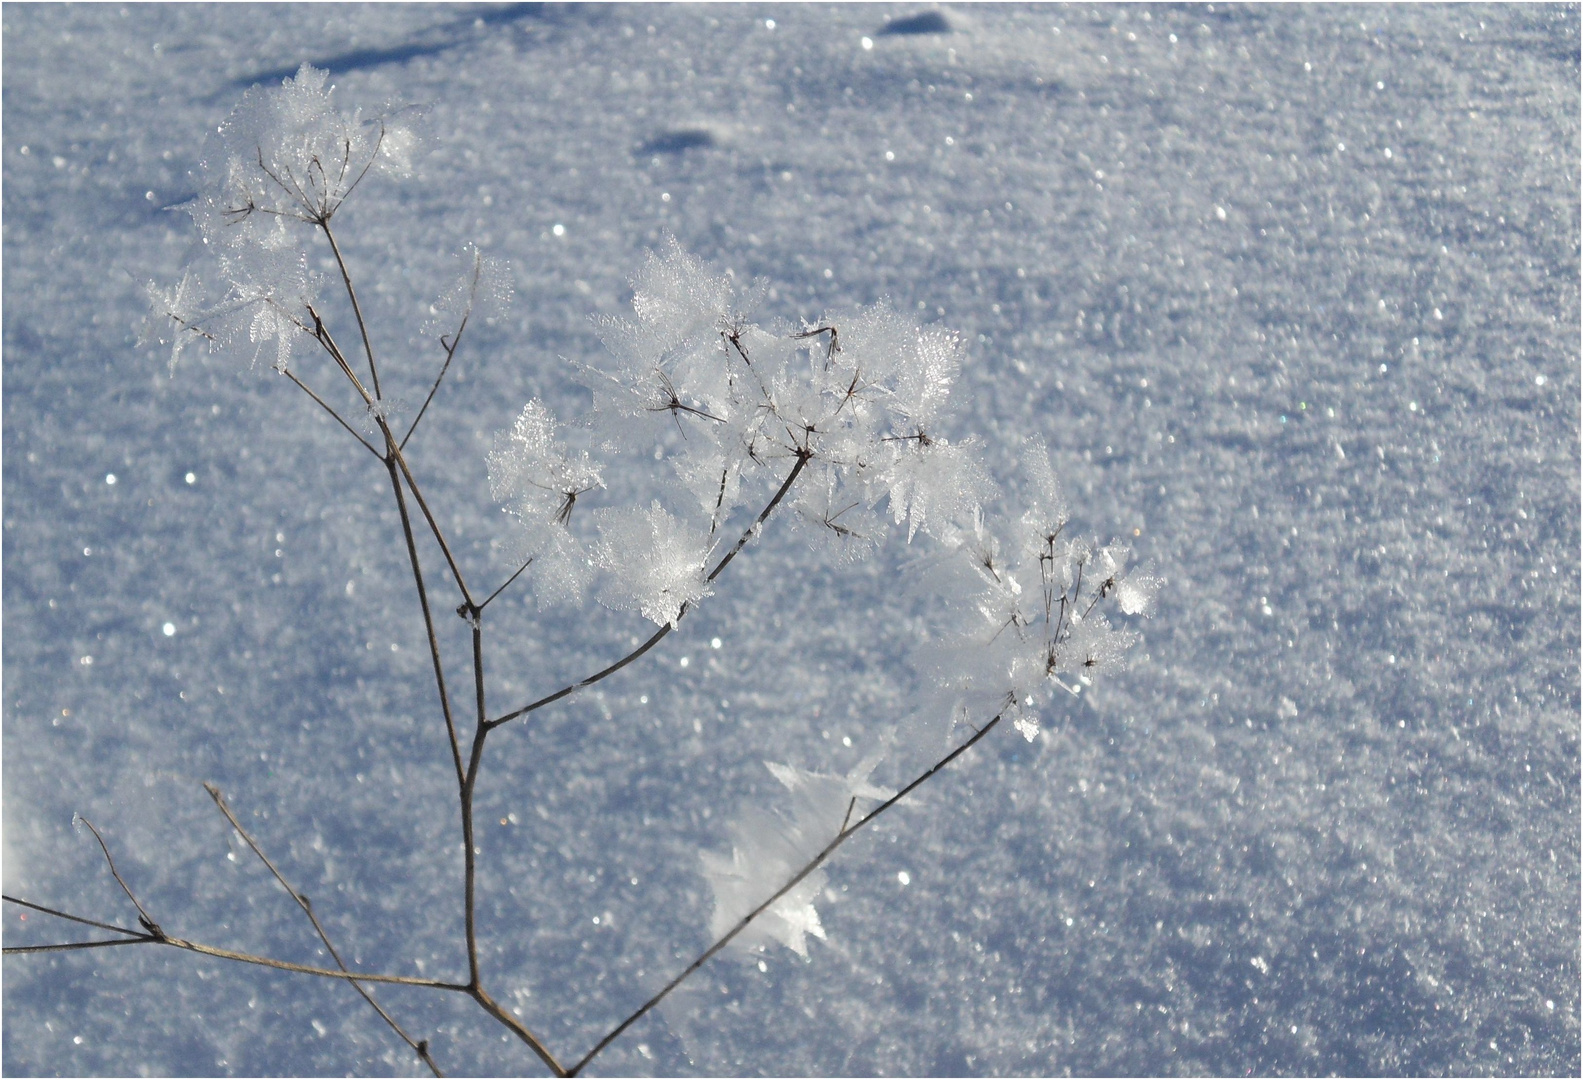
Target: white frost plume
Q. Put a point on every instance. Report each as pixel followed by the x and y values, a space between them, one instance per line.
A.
pixel 1092 647
pixel 916 366
pixel 933 485
pixel 654 562
pixel 482 289
pixel 1135 594
pixel 286 153
pixel 1046 512
pixel 175 315
pixel 756 867
pixel 833 518
pixel 767 849
pixel 258 294
pixel 561 570
pixel 534 472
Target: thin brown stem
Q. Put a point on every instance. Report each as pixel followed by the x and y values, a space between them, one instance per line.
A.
pixel 337 416
pixel 428 621
pixel 321 333
pixel 143 918
pixel 241 957
pixel 428 515
pixel 304 969
pixel 469 787
pixel 803 457
pixel 70 946
pixel 421 1049
pixel 138 934
pixel 492 1007
pixel 597 676
pixel 357 309
pixel 507 584
pixel 450 354
pixel 469 782
pixel 796 879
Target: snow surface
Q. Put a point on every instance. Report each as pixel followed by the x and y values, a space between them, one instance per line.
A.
pixel 1291 294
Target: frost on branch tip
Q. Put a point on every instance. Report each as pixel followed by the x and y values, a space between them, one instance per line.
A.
pixel 286 153
pixel 539 479
pixel 768 848
pixel 833 516
pixel 1135 594
pixel 671 371
pixel 284 156
pixel 534 473
pixel 255 294
pixel 481 290
pixel 933 485
pixel 1038 601
pixel 654 562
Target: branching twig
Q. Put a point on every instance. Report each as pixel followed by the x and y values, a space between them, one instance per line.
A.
pixel 449 347
pixel 240 957
pixel 69 946
pixel 326 407
pixel 450 354
pixel 747 534
pixel 428 621
pixel 420 1048
pixel 428 515
pixel 503 587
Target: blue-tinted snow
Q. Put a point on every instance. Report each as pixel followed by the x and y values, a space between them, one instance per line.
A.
pixel 1292 294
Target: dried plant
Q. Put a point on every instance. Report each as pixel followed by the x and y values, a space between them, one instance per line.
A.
pixel 838 425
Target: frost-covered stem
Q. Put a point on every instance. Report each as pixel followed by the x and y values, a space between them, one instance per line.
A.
pixel 803 457
pixel 796 879
pixel 357 309
pixel 420 1048
pixel 428 620
pixel 137 937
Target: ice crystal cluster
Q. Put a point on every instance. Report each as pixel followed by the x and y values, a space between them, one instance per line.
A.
pixel 842 425
pixel 845 418
pixel 284 157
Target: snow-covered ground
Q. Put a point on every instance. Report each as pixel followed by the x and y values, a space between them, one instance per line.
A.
pixel 1291 293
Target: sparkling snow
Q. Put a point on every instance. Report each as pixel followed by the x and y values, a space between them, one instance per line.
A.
pixel 1290 294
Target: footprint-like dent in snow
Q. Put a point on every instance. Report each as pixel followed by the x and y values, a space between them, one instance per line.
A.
pixel 680 139
pixel 933 21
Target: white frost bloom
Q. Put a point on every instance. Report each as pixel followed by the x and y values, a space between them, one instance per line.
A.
pixel 1136 592
pixel 769 848
pixel 654 562
pixel 933 486
pixel 533 471
pixel 285 152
